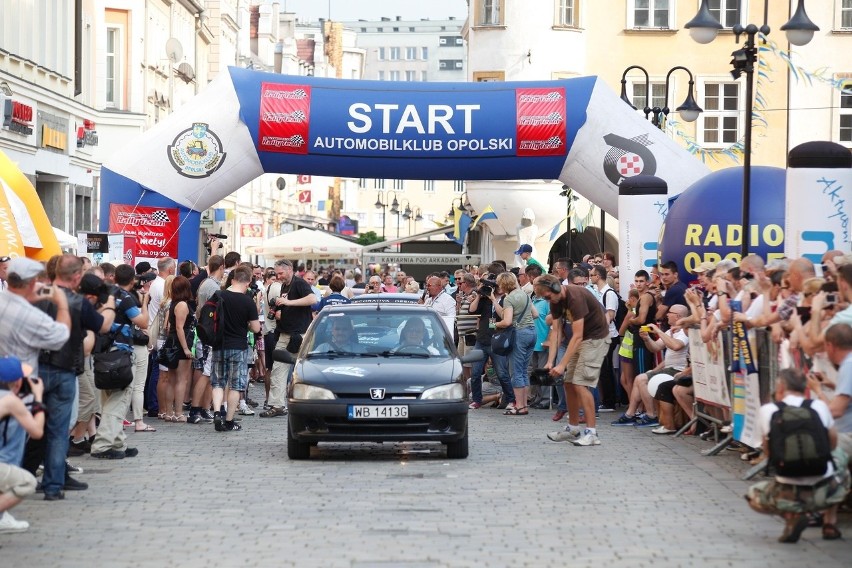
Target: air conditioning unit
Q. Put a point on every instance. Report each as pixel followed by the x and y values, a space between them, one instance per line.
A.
pixel 458 64
pixel 443 41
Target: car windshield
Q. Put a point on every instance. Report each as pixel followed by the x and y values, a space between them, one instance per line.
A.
pixel 378 334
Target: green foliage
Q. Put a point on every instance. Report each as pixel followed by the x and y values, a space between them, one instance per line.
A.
pixel 368 238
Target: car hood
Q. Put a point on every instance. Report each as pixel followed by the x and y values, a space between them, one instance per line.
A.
pixel 395 374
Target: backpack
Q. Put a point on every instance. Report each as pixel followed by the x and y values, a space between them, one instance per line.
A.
pixel 620 312
pixel 798 441
pixel 211 326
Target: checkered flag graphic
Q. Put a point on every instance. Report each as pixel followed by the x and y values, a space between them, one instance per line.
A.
pixel 554 141
pixel 160 216
pixel 299 115
pixel 555 116
pixel 300 93
pixel 128 256
pixel 297 140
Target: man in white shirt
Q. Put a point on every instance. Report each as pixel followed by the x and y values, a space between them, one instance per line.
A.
pixel 440 301
pixel 790 497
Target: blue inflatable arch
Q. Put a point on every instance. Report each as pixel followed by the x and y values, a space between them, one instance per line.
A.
pixel 246 123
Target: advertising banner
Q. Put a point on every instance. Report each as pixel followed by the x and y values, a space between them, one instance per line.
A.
pixel 251 230
pixel 817 221
pixel 643 211
pixel 155 229
pixel 709 376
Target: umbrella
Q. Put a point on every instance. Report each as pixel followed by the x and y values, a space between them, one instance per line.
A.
pixel 65 240
pixel 24 227
pixel 306 243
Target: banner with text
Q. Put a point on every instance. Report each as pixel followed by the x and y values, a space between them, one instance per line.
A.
pixel 154 228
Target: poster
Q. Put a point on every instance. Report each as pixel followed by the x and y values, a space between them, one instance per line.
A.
pixel 708 370
pixel 154 228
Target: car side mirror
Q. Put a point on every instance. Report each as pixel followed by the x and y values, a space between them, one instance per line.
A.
pixel 473 356
pixel 283 356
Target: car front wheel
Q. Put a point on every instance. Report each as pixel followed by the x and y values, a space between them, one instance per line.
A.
pixel 458 450
pixel 296 450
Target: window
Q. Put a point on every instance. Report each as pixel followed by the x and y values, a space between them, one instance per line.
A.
pixel 490 12
pixel 362 183
pixel 566 13
pixel 458 186
pixel 378 183
pixel 488 76
pixel 726 11
pixel 394 54
pixel 410 75
pixel 846 14
pixel 429 186
pixel 720 121
pixel 450 41
pixel 845 132
pixel 410 53
pixel 381 54
pixel 450 64
pixel 113 67
pixel 423 76
pixel 424 53
pixel 379 219
pixel 381 75
pixel 650 13
pixel 658 95
pixel 394 75
pixel 398 184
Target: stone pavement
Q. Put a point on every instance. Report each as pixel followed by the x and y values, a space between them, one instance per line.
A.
pixel 195 497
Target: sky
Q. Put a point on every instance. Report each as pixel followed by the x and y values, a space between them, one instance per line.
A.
pixel 350 10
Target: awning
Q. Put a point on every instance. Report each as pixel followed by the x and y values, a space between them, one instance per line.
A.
pixel 24 227
pixel 307 244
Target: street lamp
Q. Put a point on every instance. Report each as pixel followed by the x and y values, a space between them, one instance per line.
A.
pixel 688 111
pixel 703 29
pixel 464 204
pixel 382 202
pixel 400 214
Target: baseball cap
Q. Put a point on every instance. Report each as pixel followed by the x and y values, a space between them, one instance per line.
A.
pixel 25 268
pixel 524 248
pixel 91 284
pixel 11 369
pixel 143 267
pixel 704 267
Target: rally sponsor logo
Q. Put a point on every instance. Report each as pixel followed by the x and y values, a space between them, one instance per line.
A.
pixel 541 122
pixel 628 157
pixel 158 218
pixel 152 230
pixel 196 152
pixel 285 112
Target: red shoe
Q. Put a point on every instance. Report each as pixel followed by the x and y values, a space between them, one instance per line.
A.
pixel 560 414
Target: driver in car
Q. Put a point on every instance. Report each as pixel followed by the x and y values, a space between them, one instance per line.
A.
pixel 413 338
pixel 344 339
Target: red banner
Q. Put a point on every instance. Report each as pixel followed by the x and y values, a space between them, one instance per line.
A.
pixel 305 196
pixel 285 112
pixel 303 179
pixel 541 129
pixel 154 229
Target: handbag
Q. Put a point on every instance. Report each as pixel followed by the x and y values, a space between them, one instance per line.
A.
pixel 113 369
pixel 503 341
pixel 295 342
pixel 169 354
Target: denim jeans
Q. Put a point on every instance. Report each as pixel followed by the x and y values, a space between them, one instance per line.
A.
pixel 151 403
pixel 477 370
pixel 501 366
pixel 60 388
pixel 525 338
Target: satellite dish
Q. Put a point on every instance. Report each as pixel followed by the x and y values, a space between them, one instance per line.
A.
pixel 174 50
pixel 281 183
pixel 186 71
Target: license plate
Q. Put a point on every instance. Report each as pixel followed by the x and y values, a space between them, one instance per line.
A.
pixel 374 412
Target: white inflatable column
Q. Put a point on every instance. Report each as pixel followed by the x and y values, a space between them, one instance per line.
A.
pixel 642 207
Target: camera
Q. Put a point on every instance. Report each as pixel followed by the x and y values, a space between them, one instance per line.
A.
pixel 210 237
pixel 485 291
pixel 488 285
pixel 645 328
pixel 831 298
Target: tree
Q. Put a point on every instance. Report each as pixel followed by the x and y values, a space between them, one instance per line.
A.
pixel 368 238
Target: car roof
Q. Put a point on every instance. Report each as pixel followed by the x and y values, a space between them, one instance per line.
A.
pixel 360 307
pixel 406 298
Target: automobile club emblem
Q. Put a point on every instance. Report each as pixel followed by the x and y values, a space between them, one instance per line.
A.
pixel 196 152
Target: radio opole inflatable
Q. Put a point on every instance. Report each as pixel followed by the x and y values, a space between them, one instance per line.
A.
pixel 704 223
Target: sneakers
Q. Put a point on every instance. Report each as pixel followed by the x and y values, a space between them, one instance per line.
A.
pixel 58 496
pixel 194 419
pixel 72 468
pixel 663 430
pixel 245 410
pixel 218 422
pixel 72 484
pixel 646 421
pixel 131 452
pixel 187 406
pixel 624 420
pixel 77 449
pixel 474 405
pixel 110 454
pixel 566 435
pixel 8 524
pixel 605 408
pixel 231 427
pixel 587 439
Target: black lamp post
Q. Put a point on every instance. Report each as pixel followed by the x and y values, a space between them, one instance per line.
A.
pixel 703 29
pixel 400 214
pixel 412 215
pixel 382 202
pixel 688 111
pixel 464 203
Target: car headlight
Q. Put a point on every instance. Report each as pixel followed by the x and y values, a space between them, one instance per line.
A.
pixel 454 391
pixel 302 391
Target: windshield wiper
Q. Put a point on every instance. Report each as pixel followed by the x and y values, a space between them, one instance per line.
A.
pixel 337 354
pixel 405 354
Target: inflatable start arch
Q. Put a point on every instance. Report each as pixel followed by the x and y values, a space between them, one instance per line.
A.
pixel 246 123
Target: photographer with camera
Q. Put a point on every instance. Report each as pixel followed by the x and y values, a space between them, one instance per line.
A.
pixel 483 306
pixel 17 419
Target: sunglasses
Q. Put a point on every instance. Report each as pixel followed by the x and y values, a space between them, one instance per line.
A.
pixel 5 258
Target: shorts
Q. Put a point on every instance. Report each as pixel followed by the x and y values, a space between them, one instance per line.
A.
pixel 584 368
pixel 203 361
pixel 230 369
pixel 665 390
pixel 17 481
pixel 774 498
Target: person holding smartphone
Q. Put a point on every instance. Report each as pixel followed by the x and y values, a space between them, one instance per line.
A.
pixel 17 419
